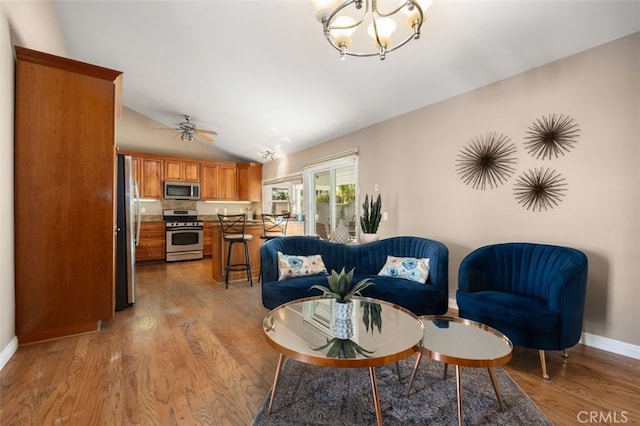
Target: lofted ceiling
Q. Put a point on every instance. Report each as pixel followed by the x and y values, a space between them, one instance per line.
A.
pixel 261 74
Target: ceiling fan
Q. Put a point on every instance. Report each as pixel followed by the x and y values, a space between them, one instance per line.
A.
pixel 188 131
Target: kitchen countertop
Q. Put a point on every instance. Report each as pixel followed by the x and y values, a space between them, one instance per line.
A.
pixel 204 218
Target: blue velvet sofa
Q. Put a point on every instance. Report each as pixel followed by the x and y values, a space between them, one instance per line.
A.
pixel 533 293
pixel 368 259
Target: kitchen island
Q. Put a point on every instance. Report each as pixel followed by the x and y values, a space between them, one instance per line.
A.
pixel 218 249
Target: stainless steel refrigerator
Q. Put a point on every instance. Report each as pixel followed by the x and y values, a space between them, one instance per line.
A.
pixel 127 233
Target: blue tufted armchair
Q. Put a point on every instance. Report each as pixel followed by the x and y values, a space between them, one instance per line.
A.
pixel 533 293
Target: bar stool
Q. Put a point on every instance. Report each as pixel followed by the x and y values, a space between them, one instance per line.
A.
pixel 233 231
pixel 273 226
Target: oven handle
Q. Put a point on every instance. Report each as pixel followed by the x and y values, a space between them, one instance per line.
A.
pixel 186 228
pixel 188 252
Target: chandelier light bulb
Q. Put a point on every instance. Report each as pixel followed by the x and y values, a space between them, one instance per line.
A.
pixel 324 8
pixel 341 29
pixel 384 27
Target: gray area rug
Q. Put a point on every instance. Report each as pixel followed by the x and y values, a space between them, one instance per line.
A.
pixel 310 395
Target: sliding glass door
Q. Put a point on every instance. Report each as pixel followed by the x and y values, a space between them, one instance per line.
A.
pixel 332 186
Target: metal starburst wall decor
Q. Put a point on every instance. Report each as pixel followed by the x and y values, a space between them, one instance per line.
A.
pixel 551 136
pixel 540 189
pixel 487 160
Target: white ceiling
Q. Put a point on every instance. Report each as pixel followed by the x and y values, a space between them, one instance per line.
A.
pixel 262 75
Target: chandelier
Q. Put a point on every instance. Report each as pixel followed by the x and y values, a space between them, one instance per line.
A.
pixel 341 19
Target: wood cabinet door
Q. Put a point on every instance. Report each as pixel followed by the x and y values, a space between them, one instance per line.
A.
pixel 249 177
pixel 227 184
pixel 191 171
pixel 172 170
pixel 136 170
pixel 209 182
pixel 65 175
pixel 242 174
pixel 151 177
pixel 255 183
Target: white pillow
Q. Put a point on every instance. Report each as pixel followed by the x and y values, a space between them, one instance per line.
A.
pixel 408 268
pixel 298 266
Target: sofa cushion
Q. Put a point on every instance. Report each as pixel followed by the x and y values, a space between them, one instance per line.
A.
pixel 408 268
pixel 299 266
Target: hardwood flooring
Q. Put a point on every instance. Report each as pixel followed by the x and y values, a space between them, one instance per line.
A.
pixel 191 352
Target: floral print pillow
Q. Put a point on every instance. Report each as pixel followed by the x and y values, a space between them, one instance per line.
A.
pixel 291 266
pixel 408 268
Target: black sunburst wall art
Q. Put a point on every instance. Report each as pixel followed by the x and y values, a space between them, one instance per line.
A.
pixel 551 136
pixel 487 160
pixel 539 189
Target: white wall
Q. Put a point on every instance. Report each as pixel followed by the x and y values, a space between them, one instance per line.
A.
pixel 412 158
pixel 34 25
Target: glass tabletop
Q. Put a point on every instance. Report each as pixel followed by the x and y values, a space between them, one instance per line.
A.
pixel 375 333
pixel 464 342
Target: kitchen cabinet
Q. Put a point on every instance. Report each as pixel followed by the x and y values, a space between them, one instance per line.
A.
pixel 65 163
pixel 249 176
pixel 227 182
pixel 176 170
pixel 151 178
pixel 209 181
pixel 206 237
pixel 219 180
pixel 151 245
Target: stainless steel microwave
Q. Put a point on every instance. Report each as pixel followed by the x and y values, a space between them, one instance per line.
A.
pixel 181 190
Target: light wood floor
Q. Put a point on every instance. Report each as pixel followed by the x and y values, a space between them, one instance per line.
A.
pixel 191 352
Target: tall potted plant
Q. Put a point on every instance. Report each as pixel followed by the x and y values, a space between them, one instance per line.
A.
pixel 370 219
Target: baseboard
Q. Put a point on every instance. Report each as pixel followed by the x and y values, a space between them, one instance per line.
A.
pixel 610 345
pixel 595 341
pixel 8 352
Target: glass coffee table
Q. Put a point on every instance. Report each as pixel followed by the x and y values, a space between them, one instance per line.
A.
pixel 375 334
pixel 463 343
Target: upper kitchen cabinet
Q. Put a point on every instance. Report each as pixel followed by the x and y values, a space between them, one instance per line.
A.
pixel 151 178
pixel 218 181
pixel 249 177
pixel 209 182
pixel 176 170
pixel 227 182
pixel 65 122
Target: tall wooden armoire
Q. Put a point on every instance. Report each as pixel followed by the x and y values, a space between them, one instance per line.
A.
pixel 65 116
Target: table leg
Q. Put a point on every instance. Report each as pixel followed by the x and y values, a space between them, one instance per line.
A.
pixel 413 374
pixel 398 371
pixel 459 391
pixel 376 397
pixel 275 381
pixel 494 382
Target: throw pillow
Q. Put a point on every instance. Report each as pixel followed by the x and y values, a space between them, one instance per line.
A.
pixel 297 266
pixel 408 268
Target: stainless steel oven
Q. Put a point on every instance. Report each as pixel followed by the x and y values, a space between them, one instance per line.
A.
pixel 184 235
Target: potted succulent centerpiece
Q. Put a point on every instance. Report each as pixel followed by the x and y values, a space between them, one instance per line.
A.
pixel 341 289
pixel 370 219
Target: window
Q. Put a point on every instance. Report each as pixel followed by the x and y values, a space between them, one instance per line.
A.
pixel 332 189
